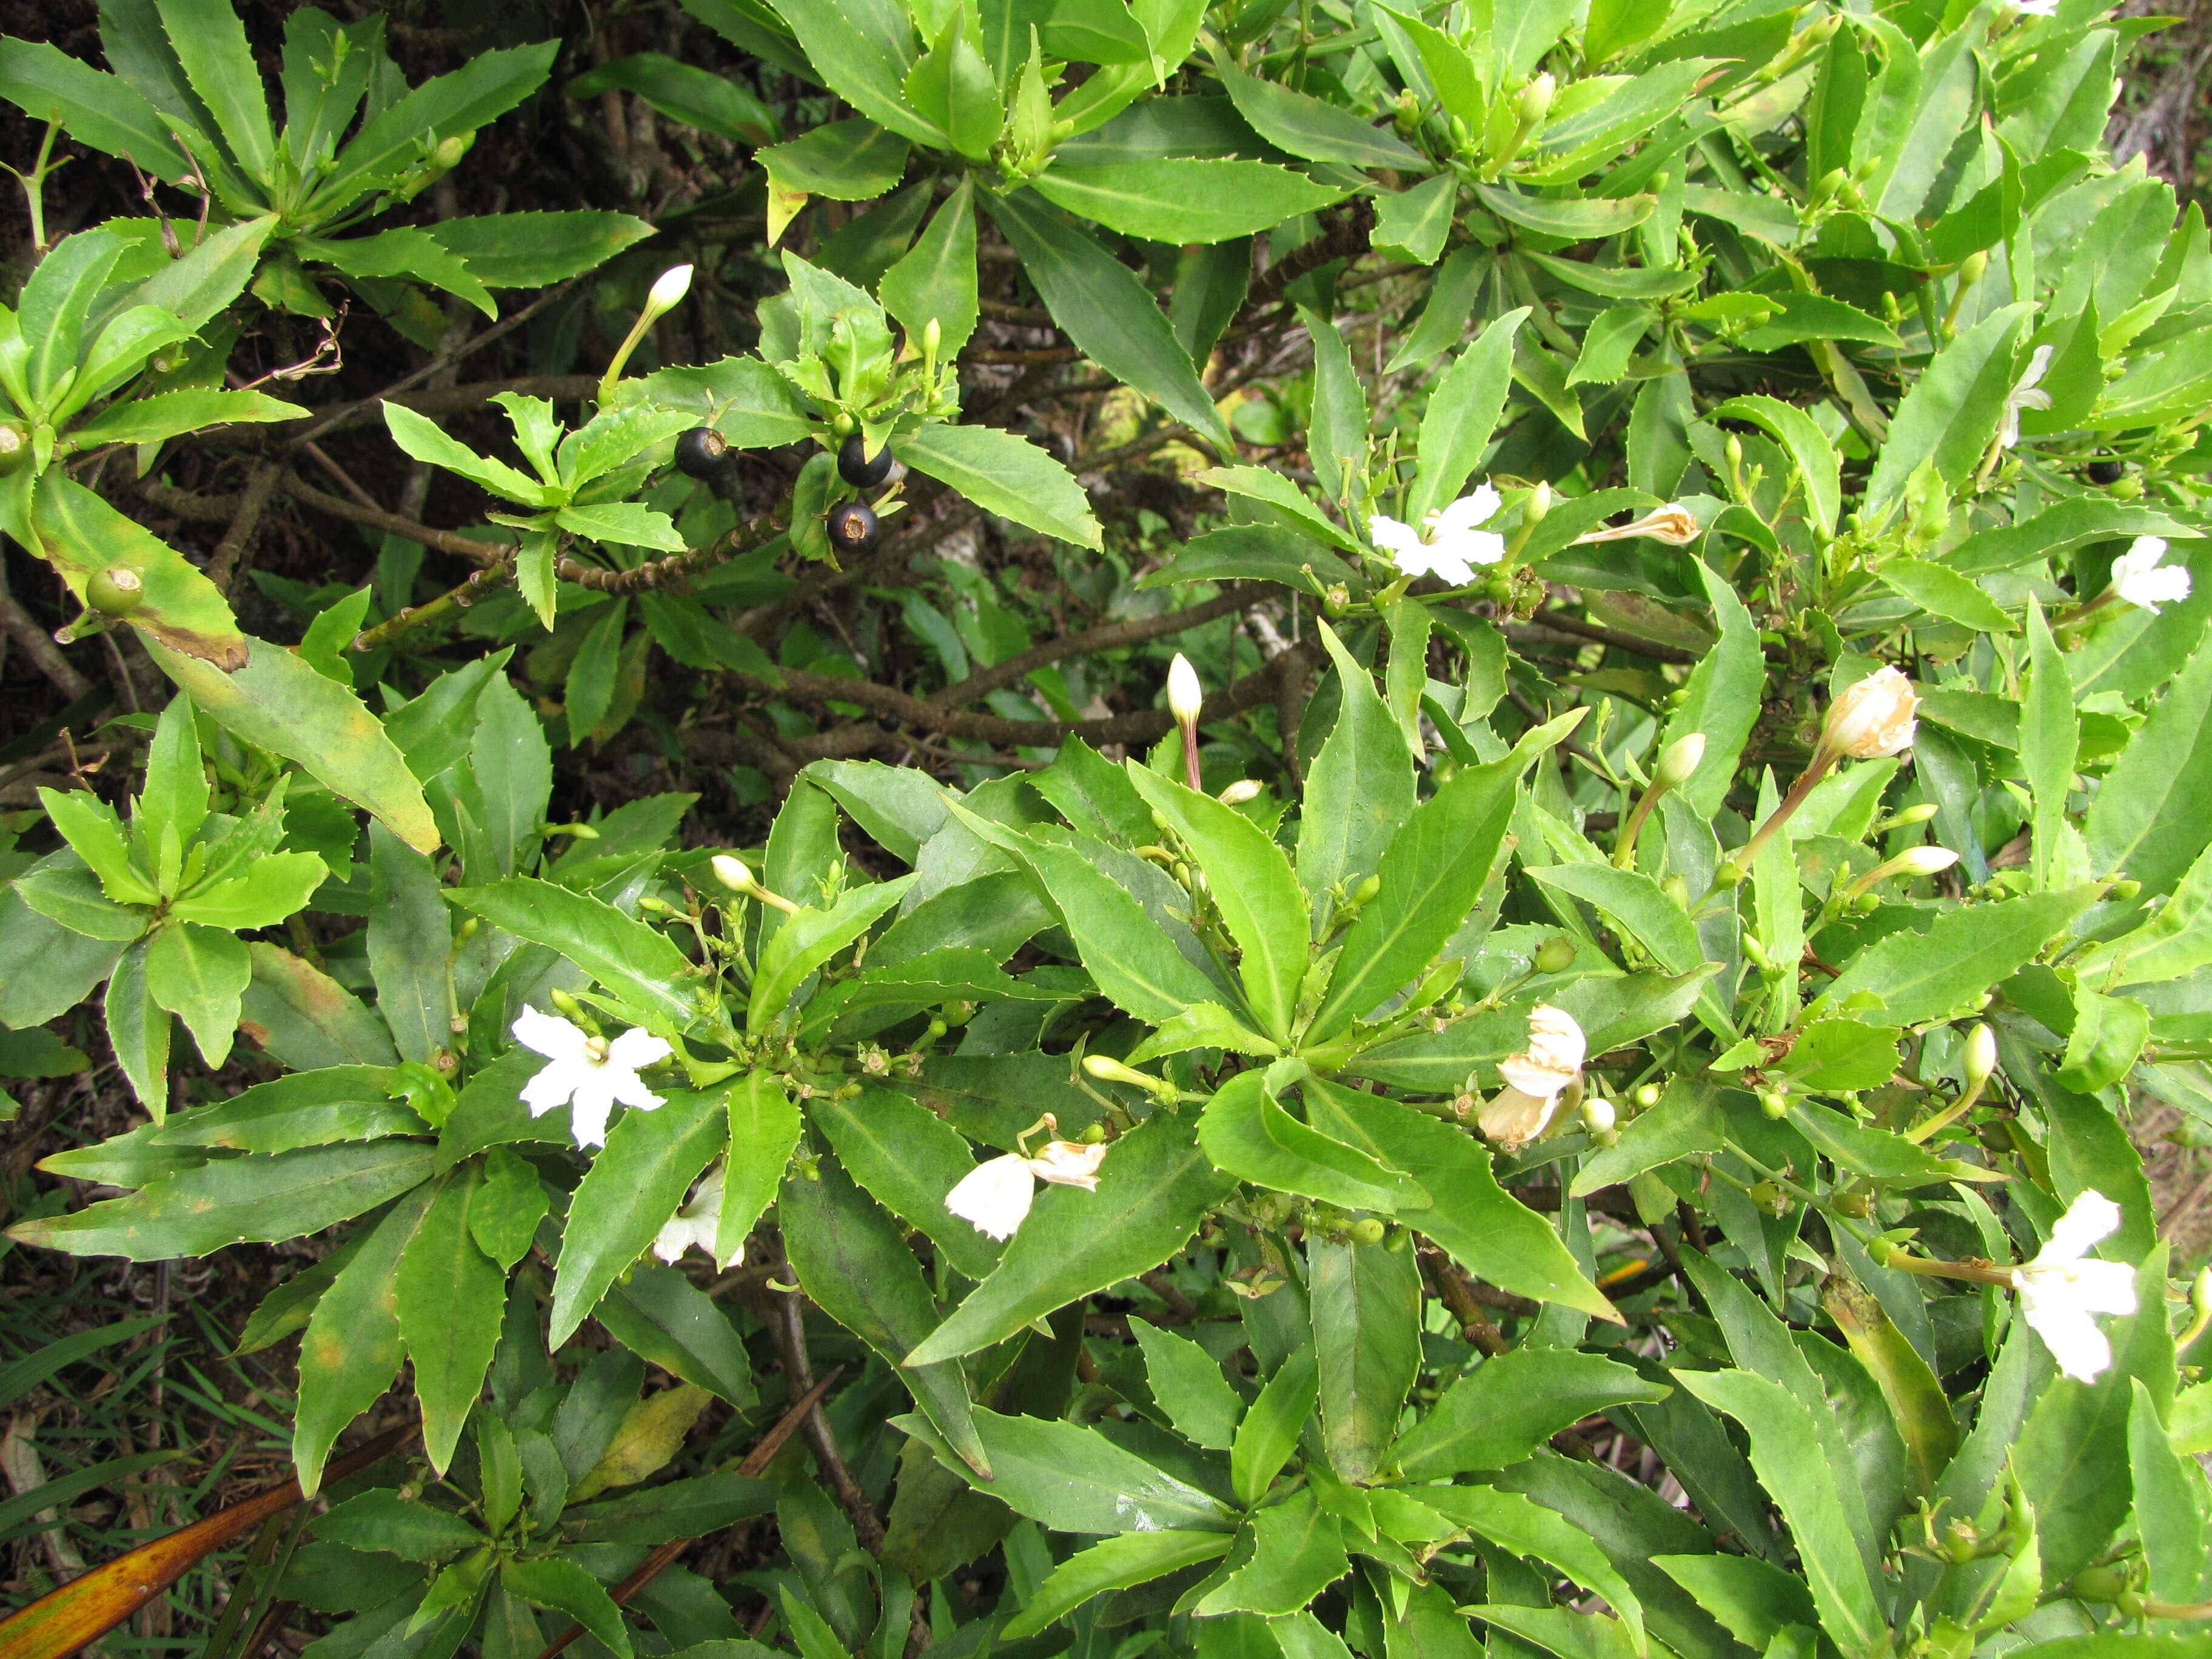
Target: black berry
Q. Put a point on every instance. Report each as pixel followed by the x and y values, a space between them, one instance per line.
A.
pixel 853 527
pixel 855 467
pixel 700 451
pixel 2106 472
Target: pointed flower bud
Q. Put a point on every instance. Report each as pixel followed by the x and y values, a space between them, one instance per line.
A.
pixel 1243 790
pixel 1185 697
pixel 669 289
pixel 1536 98
pixel 1981 1055
pixel 1872 718
pixel 1679 761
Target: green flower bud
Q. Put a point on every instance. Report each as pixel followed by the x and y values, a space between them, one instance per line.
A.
pixel 1366 890
pixel 1679 761
pixel 1536 102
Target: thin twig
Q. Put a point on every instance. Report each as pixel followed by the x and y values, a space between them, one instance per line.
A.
pixel 252 502
pixel 867 1526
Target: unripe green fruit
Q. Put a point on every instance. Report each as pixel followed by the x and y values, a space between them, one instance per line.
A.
pixel 116 592
pixel 1555 955
pixel 2098 1585
pixel 1368 1229
pixel 15 448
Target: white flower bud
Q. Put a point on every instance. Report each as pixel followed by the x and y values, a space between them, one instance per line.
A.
pixel 1243 790
pixel 1872 718
pixel 733 874
pixel 669 289
pixel 1599 1117
pixel 1924 860
pixel 1185 696
pixel 1981 1055
pixel 1679 761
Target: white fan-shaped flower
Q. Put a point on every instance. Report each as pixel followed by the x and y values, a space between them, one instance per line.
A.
pixel 2063 1288
pixel 2028 392
pixel 587 1074
pixel 1453 545
pixel 2140 578
pixel 696 1223
pixel 994 1197
pixel 1535 1078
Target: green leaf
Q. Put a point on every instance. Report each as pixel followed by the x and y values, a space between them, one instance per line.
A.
pixel 179 608
pixel 1135 962
pixel 955 91
pixel 1113 1563
pixel 279 884
pixel 1248 1135
pixel 503 1218
pixel 1187 1384
pixel 1173 200
pixel 236 1200
pixel 2152 815
pixel 452 1298
pixel 315 1108
pixel 1297 1552
pixel 419 436
pixel 808 939
pixel 622 524
pixel 741 398
pixel 485 87
pixel 410 946
pixel 2075 1440
pixel 1003 473
pixel 764 1127
pixel 1508 1406
pixel 1462 413
pixel 1259 484
pixel 1366 1304
pixel 1263 552
pixel 1360 790
pixel 1250 881
pixel 867 67
pixel 1943 591
pixel 1074 1479
pixel 1723 697
pixel 1811 453
pixel 935 280
pixel 1836 1056
pixel 1528 1529
pixel 854 1261
pixel 382 1522
pixel 1154 1188
pixel 1928 975
pixel 1908 1385
pixel 550 1580
pixel 697 97
pixel 1432 873
pixel 1781 1428
pixel 1577 218
pixel 663 1318
pixel 1307 126
pixel 199 974
pixel 351 1350
pixel 620 952
pixel 844 161
pixel 1488 1230
pixel 1755 1600
pixel 1110 315
pixel 2168 1513
pixel 278 701
pixel 536 250
pixel 103 112
pixel 1951 412
pixel 138 1030
pixel 304 1018
pixel 678 1509
pixel 634 1184
pixel 1636 905
pixel 1273 1424
pixel 908 1158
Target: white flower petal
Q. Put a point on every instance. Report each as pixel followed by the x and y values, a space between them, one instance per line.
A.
pixel 2104 1287
pixel 550 1088
pixel 550 1034
pixel 636 1048
pixel 2038 365
pixel 2150 589
pixel 2143 554
pixel 2089 1220
pixel 994 1197
pixel 1482 546
pixel 1533 1076
pixel 630 1089
pixel 1069 1164
pixel 2081 1349
pixel 1513 1117
pixel 1478 507
pixel 1393 537
pixel 1442 561
pixel 588 1115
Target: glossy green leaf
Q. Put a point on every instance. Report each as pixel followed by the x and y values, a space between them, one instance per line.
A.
pixel 634 1186
pixel 1248 1134
pixel 619 952
pixel 451 1300
pixel 1003 473
pixel 1273 1424
pixel 1366 1303
pixel 1114 1563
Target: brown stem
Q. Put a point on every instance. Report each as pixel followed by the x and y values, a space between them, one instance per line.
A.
pixel 376 518
pixel 866 1528
pixel 1454 1290
pixel 756 1460
pixel 252 502
pixel 1562 622
pixel 40 647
